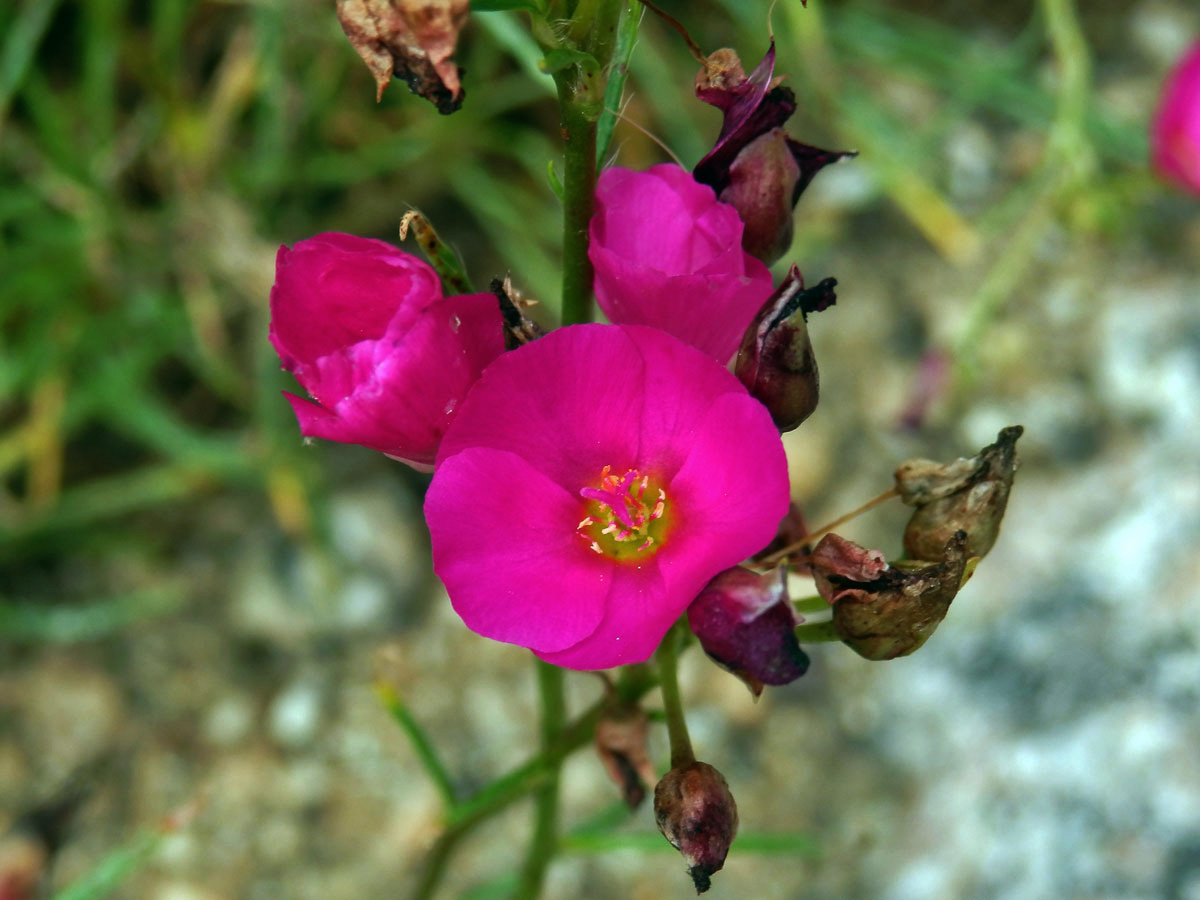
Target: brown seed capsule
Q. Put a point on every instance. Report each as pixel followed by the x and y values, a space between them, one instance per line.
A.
pixel 696 812
pixel 775 360
pixel 967 495
pixel 881 611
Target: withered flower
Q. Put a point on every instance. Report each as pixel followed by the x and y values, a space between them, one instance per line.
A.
pixel 621 742
pixel 881 611
pixel 754 166
pixel 696 812
pixel 746 624
pixel 411 39
pixel 967 495
pixel 775 360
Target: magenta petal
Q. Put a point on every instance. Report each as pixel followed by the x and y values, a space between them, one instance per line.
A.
pixel 634 624
pixel 563 403
pixel 710 312
pixel 685 385
pixel 1175 133
pixel 400 395
pixel 732 492
pixel 505 545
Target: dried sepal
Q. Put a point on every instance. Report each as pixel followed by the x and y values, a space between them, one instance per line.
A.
pixel 696 812
pixel 881 611
pixel 413 40
pixel 968 495
pixel 518 328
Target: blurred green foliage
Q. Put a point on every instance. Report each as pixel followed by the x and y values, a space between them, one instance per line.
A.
pixel 154 154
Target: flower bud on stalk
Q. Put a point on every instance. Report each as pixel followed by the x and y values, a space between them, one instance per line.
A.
pixel 881 611
pixel 746 624
pixel 775 361
pixel 696 812
pixel 621 742
pixel 967 495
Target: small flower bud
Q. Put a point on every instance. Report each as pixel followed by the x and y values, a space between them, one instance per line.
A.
pixel 746 623
pixel 621 742
pixel 967 495
pixel 881 611
pixel 696 812
pixel 775 361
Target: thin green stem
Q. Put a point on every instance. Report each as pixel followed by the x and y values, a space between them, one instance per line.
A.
pixel 817 633
pixel 668 663
pixel 812 604
pixel 426 753
pixel 545 830
pixel 633 683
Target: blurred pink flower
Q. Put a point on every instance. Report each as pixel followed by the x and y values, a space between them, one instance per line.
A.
pixel 669 255
pixel 592 484
pixel 1175 133
pixel 365 329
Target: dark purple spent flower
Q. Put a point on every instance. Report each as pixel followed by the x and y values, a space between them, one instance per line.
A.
pixel 746 623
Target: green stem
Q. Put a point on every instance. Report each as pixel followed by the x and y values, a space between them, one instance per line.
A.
pixel 579 190
pixel 812 604
pixel 545 829
pixel 817 633
pixel 422 745
pixel 668 662
pixel 631 686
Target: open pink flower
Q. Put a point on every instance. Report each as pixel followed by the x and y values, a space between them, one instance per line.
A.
pixel 668 254
pixel 1175 134
pixel 365 329
pixel 592 484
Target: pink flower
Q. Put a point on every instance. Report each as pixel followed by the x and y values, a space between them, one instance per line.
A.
pixel 1175 134
pixel 592 484
pixel 366 331
pixel 668 254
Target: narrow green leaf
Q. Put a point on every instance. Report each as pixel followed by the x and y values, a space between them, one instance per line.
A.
pixel 627 32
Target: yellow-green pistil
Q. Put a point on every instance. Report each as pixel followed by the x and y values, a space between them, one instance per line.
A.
pixel 627 516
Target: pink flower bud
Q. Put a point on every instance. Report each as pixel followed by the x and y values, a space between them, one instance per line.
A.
pixel 669 255
pixel 386 359
pixel 746 623
pixel 775 361
pixel 1175 133
pixel 696 812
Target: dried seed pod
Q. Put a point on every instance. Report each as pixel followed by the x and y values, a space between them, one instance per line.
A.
pixel 881 611
pixel 967 495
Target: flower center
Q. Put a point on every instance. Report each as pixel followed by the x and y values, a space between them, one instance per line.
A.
pixel 627 515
